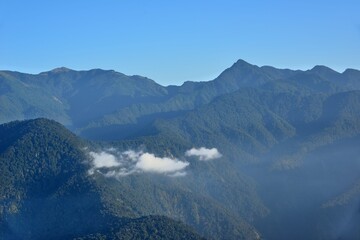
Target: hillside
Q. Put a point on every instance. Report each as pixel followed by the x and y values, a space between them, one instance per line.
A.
pixel 46 191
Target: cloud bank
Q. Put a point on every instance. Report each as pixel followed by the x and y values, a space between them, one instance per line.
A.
pixel 113 163
pixel 148 162
pixel 117 164
pixel 104 160
pixel 203 154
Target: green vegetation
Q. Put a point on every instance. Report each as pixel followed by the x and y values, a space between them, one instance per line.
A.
pixel 45 191
pixel 100 104
pixel 149 227
pixel 289 141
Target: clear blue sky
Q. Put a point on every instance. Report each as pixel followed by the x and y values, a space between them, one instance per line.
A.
pixel 175 41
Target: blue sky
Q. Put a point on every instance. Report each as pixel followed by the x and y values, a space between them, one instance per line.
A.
pixel 175 41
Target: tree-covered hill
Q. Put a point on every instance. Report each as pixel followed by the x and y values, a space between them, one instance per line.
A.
pixel 46 192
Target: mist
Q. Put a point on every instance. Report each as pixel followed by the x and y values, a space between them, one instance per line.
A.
pixel 320 199
pixel 203 154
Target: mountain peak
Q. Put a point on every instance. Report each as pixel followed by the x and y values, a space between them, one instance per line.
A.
pixel 322 69
pixel 351 70
pixel 242 63
pixel 18 129
pixel 61 69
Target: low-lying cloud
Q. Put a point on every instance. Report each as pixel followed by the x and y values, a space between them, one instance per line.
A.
pixel 148 162
pixel 113 163
pixel 104 160
pixel 203 154
pixel 117 164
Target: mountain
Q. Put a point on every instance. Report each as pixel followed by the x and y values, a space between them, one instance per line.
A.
pixel 285 144
pixel 300 148
pixel 71 95
pixel 95 102
pixel 46 170
pixel 46 191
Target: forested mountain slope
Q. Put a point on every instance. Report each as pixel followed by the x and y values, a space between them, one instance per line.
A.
pixel 46 191
pixel 95 101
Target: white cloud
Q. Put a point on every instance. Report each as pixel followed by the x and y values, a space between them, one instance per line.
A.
pixel 204 154
pixel 113 163
pixel 119 164
pixel 104 160
pixel 148 162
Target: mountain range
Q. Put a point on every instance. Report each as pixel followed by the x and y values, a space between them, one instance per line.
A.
pixel 257 153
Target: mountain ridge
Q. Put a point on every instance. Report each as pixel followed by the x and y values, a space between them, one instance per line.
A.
pixel 287 140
